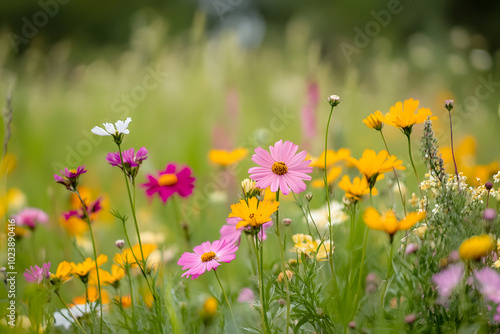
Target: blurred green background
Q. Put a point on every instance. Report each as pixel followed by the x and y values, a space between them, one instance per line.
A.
pixel 223 74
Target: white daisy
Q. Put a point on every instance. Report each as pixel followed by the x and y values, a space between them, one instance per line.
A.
pixel 109 128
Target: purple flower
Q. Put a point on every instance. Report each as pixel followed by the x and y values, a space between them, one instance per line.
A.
pixel 169 182
pixel 448 279
pixel 36 274
pixel 92 209
pixel 246 296
pixel 489 284
pixel 70 177
pixel 30 217
pixel 131 160
pixel 230 233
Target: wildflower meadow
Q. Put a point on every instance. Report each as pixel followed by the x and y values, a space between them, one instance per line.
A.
pixel 189 183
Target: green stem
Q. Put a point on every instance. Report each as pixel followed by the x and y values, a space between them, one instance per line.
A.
pixel 66 306
pixel 327 189
pixel 227 301
pixel 413 165
pixel 131 299
pixel 261 285
pixel 389 273
pixel 87 218
pixel 283 268
pixel 178 217
pixel 395 174
pixel 453 153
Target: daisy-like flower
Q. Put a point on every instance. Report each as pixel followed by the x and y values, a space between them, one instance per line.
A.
pixel 110 130
pixel 477 247
pixel 225 158
pixel 83 269
pixel 388 221
pixel 374 120
pixel 170 182
pixel 206 257
pixel 404 115
pixel 70 177
pixel 36 274
pixel 489 284
pixel 357 189
pixel 253 213
pixel 232 234
pixel 108 278
pixel 131 160
pixel 448 279
pixel 92 210
pixel 127 258
pixel 281 169
pixel 30 217
pixel 373 165
pixel 63 273
pixel 332 158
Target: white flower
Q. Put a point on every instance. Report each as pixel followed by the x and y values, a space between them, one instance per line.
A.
pixel 109 129
pixel 320 215
pixel 64 319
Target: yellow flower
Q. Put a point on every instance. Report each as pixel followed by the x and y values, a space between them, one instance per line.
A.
pixel 125 301
pixel 93 294
pixel 304 243
pixel 371 164
pixel 357 189
pixel 14 199
pixel 476 247
pixel 324 251
pixel 374 120
pixel 210 307
pixel 7 164
pixel 420 231
pixel 126 257
pixel 83 269
pixel 108 278
pixel 404 115
pixel 63 272
pixel 226 158
pixel 254 213
pixel 289 273
pixel 331 158
pixel 332 175
pixel 388 221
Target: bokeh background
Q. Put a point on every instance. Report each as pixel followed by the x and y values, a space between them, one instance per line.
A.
pixel 224 74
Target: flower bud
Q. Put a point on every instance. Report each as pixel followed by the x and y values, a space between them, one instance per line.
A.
pixel 120 243
pixel 334 100
pixel 309 196
pixel 352 324
pixel 287 221
pixel 449 104
pixel 488 185
pixel 282 302
pixel 411 248
pixel 410 318
pixel 248 186
pixel 489 214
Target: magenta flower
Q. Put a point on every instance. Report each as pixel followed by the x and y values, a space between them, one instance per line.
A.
pixel 281 169
pixel 36 274
pixel 170 182
pixel 206 257
pixel 448 279
pixel 92 209
pixel 30 217
pixel 230 233
pixel 130 159
pixel 70 177
pixel 489 284
pixel 246 296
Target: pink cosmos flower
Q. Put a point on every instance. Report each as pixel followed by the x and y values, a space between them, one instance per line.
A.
pixel 246 296
pixel 448 279
pixel 489 284
pixel 70 177
pixel 232 234
pixel 170 182
pixel 92 209
pixel 206 257
pixel 30 217
pixel 281 169
pixel 130 159
pixel 36 274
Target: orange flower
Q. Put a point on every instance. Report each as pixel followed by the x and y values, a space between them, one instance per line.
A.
pixel 388 221
pixel 126 257
pixel 63 273
pixel 108 278
pixel 226 158
pixel 357 189
pixel 83 269
pixel 93 294
pixel 253 213
pixel 374 120
pixel 404 115
pixel 332 157
pixel 373 165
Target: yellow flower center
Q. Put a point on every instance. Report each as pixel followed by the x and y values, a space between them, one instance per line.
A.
pixel 207 256
pixel 73 171
pixel 279 168
pixel 167 180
